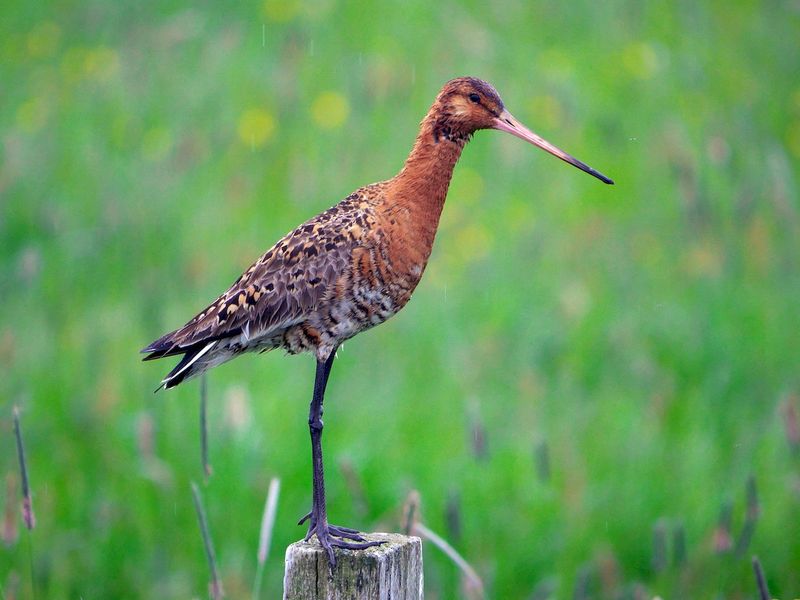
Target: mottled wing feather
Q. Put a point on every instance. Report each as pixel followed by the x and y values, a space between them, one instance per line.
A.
pixel 282 287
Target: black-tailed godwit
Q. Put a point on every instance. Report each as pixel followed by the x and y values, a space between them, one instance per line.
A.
pixel 346 270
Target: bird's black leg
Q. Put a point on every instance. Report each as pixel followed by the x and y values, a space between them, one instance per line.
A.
pixel 318 516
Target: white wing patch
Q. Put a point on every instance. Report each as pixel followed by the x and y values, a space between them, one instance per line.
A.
pixel 197 356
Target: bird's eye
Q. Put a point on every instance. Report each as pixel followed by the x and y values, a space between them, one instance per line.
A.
pixel 474 98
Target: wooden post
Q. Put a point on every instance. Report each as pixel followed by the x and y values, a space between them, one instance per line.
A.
pixel 390 571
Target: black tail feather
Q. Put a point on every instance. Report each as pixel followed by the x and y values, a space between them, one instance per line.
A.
pixel 167 346
pixel 163 346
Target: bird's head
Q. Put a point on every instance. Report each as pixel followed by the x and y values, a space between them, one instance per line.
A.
pixel 464 106
pixel 467 104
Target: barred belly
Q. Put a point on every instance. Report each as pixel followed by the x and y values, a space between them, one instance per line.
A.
pixel 361 309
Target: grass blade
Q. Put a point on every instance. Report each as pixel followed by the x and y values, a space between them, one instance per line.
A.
pixel 474 582
pixel 265 535
pixel 723 540
pixel 542 457
pixel 411 512
pixel 679 544
pixel 204 426
pixel 753 506
pixel 751 518
pixel 452 516
pixel 659 559
pixel 761 580
pixel 215 586
pixel 477 434
pixel 791 424
pixel 583 581
pixel 27 502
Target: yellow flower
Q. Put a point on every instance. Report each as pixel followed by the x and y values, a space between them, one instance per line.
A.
pixel 101 63
pixel 72 63
pixel 555 64
pixel 32 115
pixel 281 11
pixel 473 242
pixel 641 60
pixel 156 143
pixel 793 138
pixel 43 40
pixel 330 110
pixel 705 259
pixel 759 245
pixel 256 126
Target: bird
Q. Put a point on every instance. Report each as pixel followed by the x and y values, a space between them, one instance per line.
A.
pixel 344 271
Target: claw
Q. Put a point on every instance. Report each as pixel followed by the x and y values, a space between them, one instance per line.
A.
pixel 327 534
pixel 344 532
pixel 336 530
pixel 345 529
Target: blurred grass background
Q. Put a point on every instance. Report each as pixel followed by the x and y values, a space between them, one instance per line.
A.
pixel 626 357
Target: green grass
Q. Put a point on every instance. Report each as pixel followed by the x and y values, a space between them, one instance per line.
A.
pixel 647 332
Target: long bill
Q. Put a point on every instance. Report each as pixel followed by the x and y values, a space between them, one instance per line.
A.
pixel 507 122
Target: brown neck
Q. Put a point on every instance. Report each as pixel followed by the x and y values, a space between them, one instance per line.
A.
pixel 422 183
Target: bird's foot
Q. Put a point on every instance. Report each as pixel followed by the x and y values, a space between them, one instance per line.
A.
pixel 327 534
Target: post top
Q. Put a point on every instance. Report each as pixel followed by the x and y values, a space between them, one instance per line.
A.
pixel 392 570
pixel 392 543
